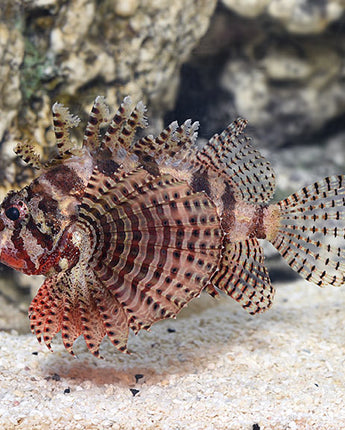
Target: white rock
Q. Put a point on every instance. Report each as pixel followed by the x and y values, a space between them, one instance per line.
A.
pixel 248 8
pixel 125 8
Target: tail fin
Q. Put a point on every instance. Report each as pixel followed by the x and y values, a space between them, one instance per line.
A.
pixel 311 232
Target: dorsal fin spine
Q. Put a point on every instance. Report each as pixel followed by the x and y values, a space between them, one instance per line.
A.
pixel 98 116
pixel 27 153
pixel 63 120
pixel 122 129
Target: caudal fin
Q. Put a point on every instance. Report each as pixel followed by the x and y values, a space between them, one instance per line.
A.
pixel 311 232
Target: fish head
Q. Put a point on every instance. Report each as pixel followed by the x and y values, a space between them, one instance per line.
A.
pixel 14 216
pixel 36 223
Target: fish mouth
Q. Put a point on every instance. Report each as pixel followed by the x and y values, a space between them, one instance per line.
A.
pixel 8 253
pixel 11 260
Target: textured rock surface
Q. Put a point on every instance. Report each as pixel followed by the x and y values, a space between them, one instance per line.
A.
pixel 290 87
pixel 11 57
pixel 288 91
pixel 74 51
pixel 298 16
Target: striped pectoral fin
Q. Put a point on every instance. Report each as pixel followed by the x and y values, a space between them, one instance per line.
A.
pixel 46 310
pixel 154 279
pixel 114 319
pixel 68 304
pixel 243 276
pixel 164 291
pixel 231 155
pixel 311 231
pixel 158 243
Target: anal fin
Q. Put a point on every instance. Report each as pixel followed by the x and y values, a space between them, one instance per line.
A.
pixel 243 276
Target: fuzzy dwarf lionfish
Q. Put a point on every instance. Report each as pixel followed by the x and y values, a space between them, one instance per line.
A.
pixel 128 230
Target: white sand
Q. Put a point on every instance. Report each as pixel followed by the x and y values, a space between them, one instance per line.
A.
pixel 220 369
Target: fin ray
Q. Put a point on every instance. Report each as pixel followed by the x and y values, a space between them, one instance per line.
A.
pixel 46 310
pixel 63 121
pixel 114 319
pixel 98 116
pixel 243 276
pixel 311 231
pixel 122 128
pixel 157 245
pixel 27 153
pixel 233 157
pixel 170 141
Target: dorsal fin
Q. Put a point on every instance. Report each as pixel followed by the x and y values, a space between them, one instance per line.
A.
pixel 122 128
pixel 170 141
pixel 63 120
pixel 231 155
pixel 26 151
pixel 98 116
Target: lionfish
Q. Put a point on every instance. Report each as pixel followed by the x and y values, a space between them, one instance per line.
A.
pixel 128 230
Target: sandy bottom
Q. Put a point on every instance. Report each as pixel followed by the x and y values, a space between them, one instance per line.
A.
pixel 215 367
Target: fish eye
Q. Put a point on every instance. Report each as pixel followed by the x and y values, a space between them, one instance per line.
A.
pixel 12 213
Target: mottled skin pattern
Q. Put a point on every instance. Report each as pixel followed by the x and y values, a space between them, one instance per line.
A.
pixel 128 231
pixel 42 235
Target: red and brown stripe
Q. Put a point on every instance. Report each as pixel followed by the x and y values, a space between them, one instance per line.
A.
pixel 157 243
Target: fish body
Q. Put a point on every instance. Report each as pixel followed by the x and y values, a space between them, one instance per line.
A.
pixel 127 231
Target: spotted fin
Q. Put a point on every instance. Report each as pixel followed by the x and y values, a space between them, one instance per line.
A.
pixel 157 242
pixel 46 310
pixel 77 305
pixel 243 276
pixel 27 153
pixel 231 155
pixel 63 120
pixel 98 116
pixel 121 130
pixel 171 140
pixel 311 232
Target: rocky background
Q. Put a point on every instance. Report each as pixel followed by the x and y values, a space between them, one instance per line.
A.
pixel 278 63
